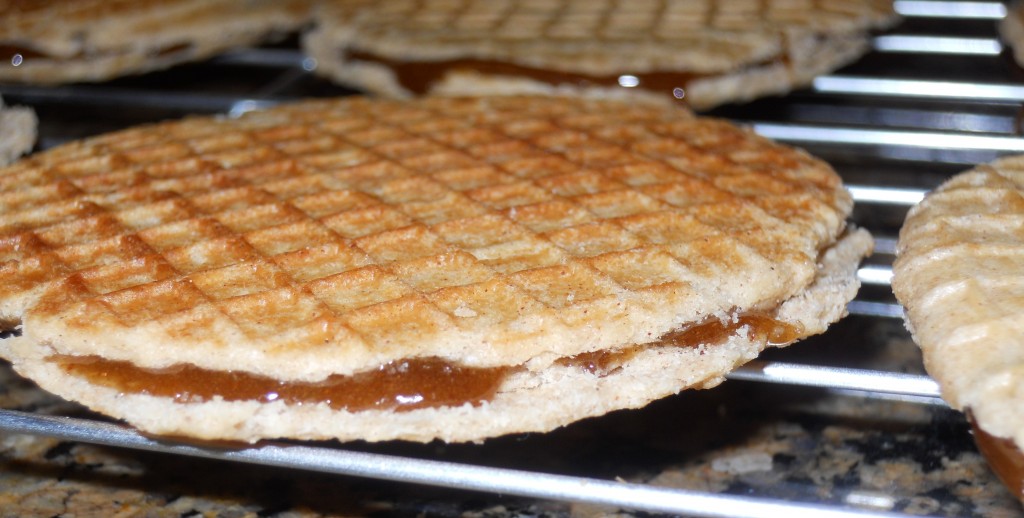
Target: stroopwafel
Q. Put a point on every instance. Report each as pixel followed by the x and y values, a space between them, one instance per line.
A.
pixel 63 41
pixel 960 275
pixel 705 52
pixel 447 268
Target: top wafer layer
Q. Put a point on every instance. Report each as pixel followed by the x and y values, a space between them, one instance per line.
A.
pixel 960 274
pixel 334 236
pixel 53 41
pixel 714 51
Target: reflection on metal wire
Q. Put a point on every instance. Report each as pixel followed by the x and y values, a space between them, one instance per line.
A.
pixel 438 473
pixel 937 45
pixel 934 9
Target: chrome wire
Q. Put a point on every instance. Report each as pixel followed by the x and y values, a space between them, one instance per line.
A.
pixel 865 381
pixel 438 473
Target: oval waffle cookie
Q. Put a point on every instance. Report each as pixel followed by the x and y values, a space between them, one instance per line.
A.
pixel 66 41
pixel 703 52
pixel 450 268
pixel 960 275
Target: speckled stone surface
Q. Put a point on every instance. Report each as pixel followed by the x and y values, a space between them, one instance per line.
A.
pixel 741 438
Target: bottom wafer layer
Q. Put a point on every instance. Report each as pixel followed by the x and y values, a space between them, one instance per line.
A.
pixel 525 401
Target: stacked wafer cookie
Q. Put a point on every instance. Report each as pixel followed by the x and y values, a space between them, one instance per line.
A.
pixel 705 52
pixel 443 268
pixel 58 41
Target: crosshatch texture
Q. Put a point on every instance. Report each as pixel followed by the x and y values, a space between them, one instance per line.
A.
pixel 334 236
pixel 706 52
pixel 502 265
pixel 960 275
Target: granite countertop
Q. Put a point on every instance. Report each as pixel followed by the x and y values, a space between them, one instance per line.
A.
pixel 751 439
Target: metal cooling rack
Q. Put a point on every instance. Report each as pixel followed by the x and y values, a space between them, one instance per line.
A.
pixel 894 131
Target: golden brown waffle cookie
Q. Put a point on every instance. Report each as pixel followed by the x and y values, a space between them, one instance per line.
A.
pixel 706 52
pixel 960 275
pixel 473 266
pixel 59 41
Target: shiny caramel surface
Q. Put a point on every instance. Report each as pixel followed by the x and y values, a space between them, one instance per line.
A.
pixel 419 76
pixel 1004 457
pixel 403 385
pixel 762 327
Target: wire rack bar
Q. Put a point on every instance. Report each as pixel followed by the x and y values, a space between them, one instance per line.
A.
pixel 438 473
pixel 867 308
pixel 885 195
pixel 937 45
pixel 885 245
pixel 875 275
pixel 918 88
pixel 872 137
pixel 940 9
pixel 837 378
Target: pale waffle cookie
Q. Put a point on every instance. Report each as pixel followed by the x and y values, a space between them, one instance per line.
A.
pixel 61 41
pixel 17 131
pixel 519 247
pixel 960 275
pixel 705 52
pixel 1011 30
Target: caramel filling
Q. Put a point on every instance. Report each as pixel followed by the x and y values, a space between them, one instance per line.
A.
pixel 1004 457
pixel 761 327
pixel 400 385
pixel 419 76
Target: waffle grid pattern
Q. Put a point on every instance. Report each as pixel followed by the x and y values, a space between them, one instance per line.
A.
pixel 587 21
pixel 960 275
pixel 382 222
pixel 967 229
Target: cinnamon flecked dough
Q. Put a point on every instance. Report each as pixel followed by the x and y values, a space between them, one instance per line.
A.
pixel 541 259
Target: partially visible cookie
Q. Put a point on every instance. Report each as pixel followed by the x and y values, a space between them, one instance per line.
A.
pixel 17 132
pixel 60 41
pixel 960 275
pixel 1011 30
pixel 705 52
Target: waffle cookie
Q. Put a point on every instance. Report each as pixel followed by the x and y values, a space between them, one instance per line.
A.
pixel 17 132
pixel 705 52
pixel 450 268
pixel 960 275
pixel 1011 30
pixel 61 41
